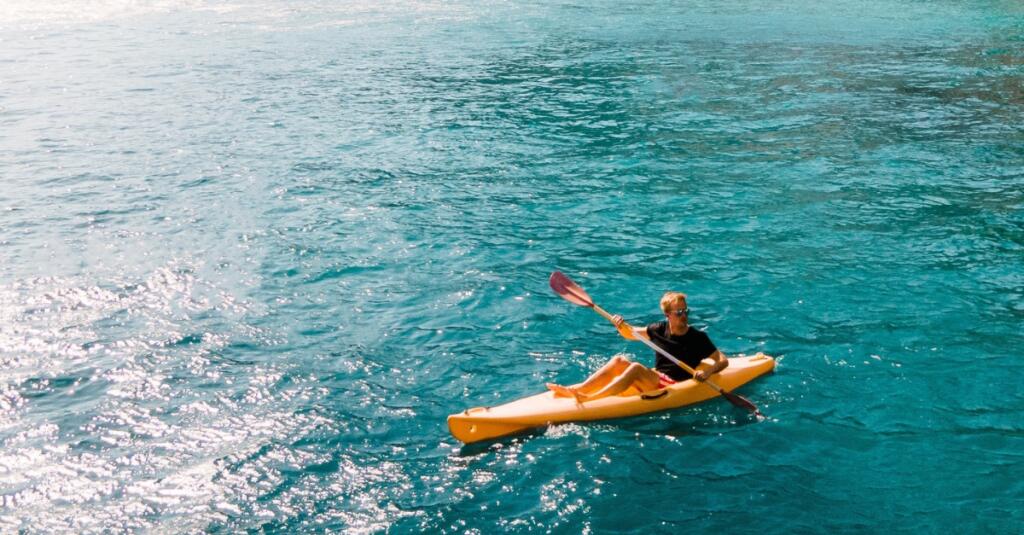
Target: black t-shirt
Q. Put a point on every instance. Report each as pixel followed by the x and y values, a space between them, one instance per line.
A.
pixel 691 348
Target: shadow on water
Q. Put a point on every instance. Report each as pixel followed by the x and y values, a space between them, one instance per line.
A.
pixel 689 425
pixel 476 448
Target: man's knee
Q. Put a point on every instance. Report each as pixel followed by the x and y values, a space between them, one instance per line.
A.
pixel 635 369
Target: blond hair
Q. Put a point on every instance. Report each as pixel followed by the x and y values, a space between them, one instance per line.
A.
pixel 669 298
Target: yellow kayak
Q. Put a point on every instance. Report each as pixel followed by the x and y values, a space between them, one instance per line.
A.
pixel 482 423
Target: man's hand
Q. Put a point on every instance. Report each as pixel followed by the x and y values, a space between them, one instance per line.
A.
pixel 699 376
pixel 625 329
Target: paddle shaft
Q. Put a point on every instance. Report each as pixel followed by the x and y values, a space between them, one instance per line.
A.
pixel 660 351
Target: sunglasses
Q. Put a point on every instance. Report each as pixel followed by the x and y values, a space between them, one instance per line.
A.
pixel 679 312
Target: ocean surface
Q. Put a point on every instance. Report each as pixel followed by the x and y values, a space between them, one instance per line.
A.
pixel 252 254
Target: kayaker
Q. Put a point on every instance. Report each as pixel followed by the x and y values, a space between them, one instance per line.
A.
pixel 675 336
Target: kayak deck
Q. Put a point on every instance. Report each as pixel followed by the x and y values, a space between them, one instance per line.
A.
pixel 483 423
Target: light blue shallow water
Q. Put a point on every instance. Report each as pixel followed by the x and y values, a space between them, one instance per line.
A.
pixel 254 253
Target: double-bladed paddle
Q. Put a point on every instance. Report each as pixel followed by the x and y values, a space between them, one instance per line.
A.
pixel 571 292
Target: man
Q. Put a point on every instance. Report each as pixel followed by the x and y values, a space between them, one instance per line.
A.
pixel 675 336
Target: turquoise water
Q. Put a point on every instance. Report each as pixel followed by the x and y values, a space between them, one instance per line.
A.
pixel 254 253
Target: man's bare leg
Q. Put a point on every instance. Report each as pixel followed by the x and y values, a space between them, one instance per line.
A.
pixel 636 374
pixel 597 380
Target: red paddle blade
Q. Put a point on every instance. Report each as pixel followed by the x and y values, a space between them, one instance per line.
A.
pixel 741 402
pixel 569 291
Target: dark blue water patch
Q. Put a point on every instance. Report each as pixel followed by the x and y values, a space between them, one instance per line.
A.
pixel 60 397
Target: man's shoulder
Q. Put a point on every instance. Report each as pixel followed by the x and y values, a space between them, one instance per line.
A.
pixel 699 335
pixel 696 333
pixel 657 327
